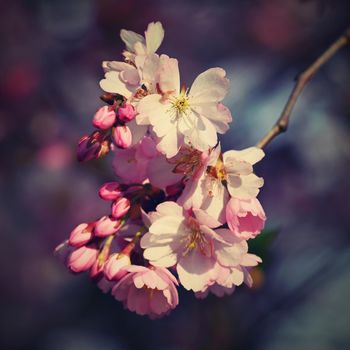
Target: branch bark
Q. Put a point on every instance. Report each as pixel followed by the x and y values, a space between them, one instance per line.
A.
pixel 303 78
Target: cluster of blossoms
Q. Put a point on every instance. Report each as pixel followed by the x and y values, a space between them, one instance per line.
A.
pixel 181 210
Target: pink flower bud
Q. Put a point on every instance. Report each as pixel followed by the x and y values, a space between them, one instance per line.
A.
pixel 110 191
pixel 82 258
pixel 96 270
pixel 126 113
pixel 81 234
pixel 120 207
pixel 113 266
pixel 122 136
pixel 107 226
pixel 104 118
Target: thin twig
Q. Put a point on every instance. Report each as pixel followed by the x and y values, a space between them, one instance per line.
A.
pixel 303 78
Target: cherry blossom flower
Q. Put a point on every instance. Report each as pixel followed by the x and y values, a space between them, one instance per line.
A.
pixel 245 217
pixel 237 170
pixel 177 238
pixel 179 116
pixel 147 290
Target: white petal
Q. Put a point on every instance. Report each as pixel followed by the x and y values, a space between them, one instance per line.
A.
pixel 203 135
pixel 149 106
pixel 170 208
pixel 247 187
pixel 194 270
pixel 170 143
pixel 209 86
pixel 154 36
pixel 137 131
pixel 251 155
pixel 169 76
pixel 218 114
pixel 112 83
pixel 116 66
pixel 130 38
pixel 166 224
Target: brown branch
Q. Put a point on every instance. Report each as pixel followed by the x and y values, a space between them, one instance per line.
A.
pixel 303 78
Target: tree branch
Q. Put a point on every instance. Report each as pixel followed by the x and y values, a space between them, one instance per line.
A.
pixel 303 78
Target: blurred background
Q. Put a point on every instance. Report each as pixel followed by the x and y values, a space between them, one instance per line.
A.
pixel 50 66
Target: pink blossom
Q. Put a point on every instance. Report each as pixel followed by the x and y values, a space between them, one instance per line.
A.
pixel 245 217
pixel 179 117
pixel 130 164
pixel 113 268
pixel 107 226
pixel 126 113
pixel 204 190
pixel 238 172
pixel 82 258
pixel 122 136
pixel 104 118
pixel 110 191
pixel 120 207
pixel 176 237
pixel 82 234
pixel 147 291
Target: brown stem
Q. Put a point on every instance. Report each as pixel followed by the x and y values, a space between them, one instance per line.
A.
pixel 303 78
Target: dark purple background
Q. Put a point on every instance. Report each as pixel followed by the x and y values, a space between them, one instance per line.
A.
pixel 50 66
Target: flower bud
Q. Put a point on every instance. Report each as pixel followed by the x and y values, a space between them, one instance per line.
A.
pixel 120 207
pixel 113 266
pixel 92 146
pixel 110 191
pixel 104 118
pixel 122 136
pixel 96 270
pixel 82 258
pixel 107 226
pixel 126 113
pixel 81 234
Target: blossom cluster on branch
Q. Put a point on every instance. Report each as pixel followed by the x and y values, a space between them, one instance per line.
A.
pixel 182 210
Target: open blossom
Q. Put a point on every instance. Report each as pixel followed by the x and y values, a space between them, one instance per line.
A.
pixel 245 217
pixel 204 190
pixel 178 203
pixel 176 237
pixel 147 291
pixel 127 79
pixel 179 116
pixel 237 170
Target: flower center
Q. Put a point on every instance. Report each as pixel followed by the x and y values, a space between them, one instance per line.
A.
pixel 180 104
pixel 195 238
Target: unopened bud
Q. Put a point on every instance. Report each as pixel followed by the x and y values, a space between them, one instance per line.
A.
pixel 110 191
pixel 126 113
pixel 104 118
pixel 107 226
pixel 81 235
pixel 120 207
pixel 122 136
pixel 82 258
